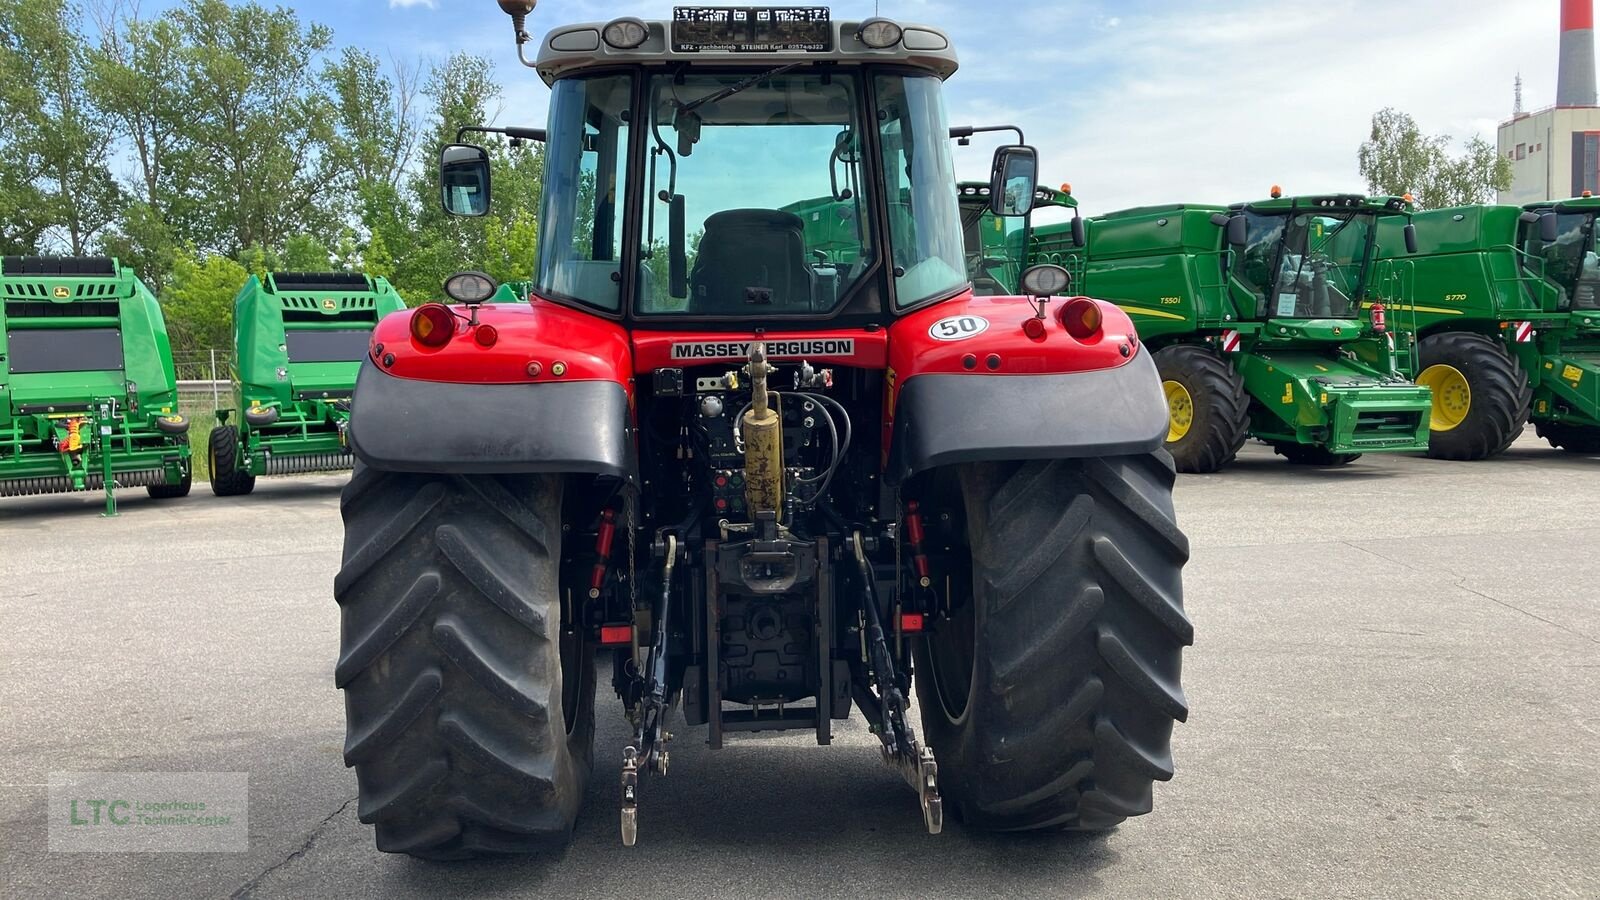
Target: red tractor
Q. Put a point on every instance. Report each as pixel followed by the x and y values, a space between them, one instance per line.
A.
pixel 775 465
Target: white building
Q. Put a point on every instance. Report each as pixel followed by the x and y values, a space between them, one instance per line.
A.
pixel 1554 154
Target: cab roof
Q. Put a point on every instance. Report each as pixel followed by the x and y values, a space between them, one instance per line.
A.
pixel 1332 203
pixel 574 48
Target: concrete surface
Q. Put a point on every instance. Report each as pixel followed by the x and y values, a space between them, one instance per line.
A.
pixel 1394 694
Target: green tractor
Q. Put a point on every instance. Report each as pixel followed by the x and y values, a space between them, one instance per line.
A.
pixel 1254 314
pixel 299 339
pixel 1507 309
pixel 88 394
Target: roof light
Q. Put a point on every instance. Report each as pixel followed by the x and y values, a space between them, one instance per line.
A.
pixel 433 324
pixel 879 34
pixel 1276 192
pixel 1082 318
pixel 1066 188
pixel 625 34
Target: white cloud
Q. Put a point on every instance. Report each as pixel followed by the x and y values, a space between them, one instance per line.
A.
pixel 407 4
pixel 1217 104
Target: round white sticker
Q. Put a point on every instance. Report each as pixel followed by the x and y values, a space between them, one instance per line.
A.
pixel 958 328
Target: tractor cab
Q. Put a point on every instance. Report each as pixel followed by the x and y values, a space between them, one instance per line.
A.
pixel 717 167
pixel 1306 257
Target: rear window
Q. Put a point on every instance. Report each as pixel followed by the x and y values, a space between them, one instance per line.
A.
pixel 38 351
pixel 327 346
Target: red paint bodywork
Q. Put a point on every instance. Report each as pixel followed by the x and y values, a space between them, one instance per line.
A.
pixel 586 347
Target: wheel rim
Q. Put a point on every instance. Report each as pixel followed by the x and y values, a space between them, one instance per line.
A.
pixel 1452 396
pixel 1180 410
pixel 952 657
pixel 211 461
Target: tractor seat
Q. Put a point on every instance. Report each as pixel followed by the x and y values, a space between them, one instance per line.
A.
pixel 751 261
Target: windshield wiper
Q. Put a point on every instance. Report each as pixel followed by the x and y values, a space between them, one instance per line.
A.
pixel 744 85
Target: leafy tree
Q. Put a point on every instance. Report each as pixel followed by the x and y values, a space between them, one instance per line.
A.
pixel 199 301
pixel 56 136
pixel 1398 158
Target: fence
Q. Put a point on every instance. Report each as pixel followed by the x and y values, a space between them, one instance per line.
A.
pixel 203 374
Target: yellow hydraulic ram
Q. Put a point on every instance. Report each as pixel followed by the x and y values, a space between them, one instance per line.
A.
pixel 763 441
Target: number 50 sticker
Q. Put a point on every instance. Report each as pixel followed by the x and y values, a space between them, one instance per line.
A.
pixel 958 328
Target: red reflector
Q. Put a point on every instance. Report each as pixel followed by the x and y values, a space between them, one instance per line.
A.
pixel 1081 318
pixel 1034 328
pixel 911 621
pixel 613 635
pixel 486 335
pixel 432 325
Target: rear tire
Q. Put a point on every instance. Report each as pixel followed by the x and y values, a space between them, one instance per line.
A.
pixel 227 480
pixel 469 708
pixel 1210 419
pixel 1311 455
pixel 1050 704
pixel 1571 438
pixel 1481 395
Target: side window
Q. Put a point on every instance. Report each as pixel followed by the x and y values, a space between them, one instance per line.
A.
pixel 919 181
pixel 584 190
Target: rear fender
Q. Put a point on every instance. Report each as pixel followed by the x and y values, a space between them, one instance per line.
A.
pixel 967 384
pixel 551 393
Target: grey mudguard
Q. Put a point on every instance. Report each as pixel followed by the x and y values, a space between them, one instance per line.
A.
pixel 405 425
pixel 941 420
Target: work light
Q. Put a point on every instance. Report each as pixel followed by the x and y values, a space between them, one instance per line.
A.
pixel 624 34
pixel 879 34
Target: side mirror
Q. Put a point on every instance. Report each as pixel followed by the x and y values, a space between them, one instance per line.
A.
pixel 1238 231
pixel 1547 228
pixel 1013 180
pixel 464 180
pixel 1411 238
pixel 1079 235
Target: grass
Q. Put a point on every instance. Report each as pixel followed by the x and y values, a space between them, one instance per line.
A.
pixel 202 418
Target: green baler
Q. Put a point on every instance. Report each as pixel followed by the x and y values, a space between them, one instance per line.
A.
pixel 1253 312
pixel 1506 302
pixel 299 339
pixel 88 394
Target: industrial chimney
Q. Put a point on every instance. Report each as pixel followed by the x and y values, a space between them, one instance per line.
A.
pixel 1575 79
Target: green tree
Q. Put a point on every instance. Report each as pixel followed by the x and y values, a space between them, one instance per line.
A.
pixel 199 301
pixel 1398 158
pixel 55 134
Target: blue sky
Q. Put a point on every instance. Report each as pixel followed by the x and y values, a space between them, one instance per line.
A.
pixel 1132 102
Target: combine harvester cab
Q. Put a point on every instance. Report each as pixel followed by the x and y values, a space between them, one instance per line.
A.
pixel 997 248
pixel 1254 314
pixel 88 395
pixel 1506 305
pixel 299 339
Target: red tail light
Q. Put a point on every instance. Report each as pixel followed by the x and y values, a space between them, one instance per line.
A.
pixel 433 325
pixel 486 335
pixel 1082 318
pixel 1033 328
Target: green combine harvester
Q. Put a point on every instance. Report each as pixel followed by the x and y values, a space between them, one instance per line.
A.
pixel 1254 314
pixel 1507 308
pixel 88 394
pixel 299 339
pixel 997 248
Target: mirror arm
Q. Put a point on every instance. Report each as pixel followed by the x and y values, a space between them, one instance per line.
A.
pixel 964 133
pixel 511 131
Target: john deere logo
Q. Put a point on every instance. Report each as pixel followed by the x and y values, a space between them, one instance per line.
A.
pixel 330 304
pixel 63 293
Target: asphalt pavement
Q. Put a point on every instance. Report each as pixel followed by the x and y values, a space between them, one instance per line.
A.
pixel 1393 693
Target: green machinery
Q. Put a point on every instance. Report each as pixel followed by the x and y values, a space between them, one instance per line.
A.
pixel 299 339
pixel 997 247
pixel 1506 303
pixel 1254 314
pixel 88 394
